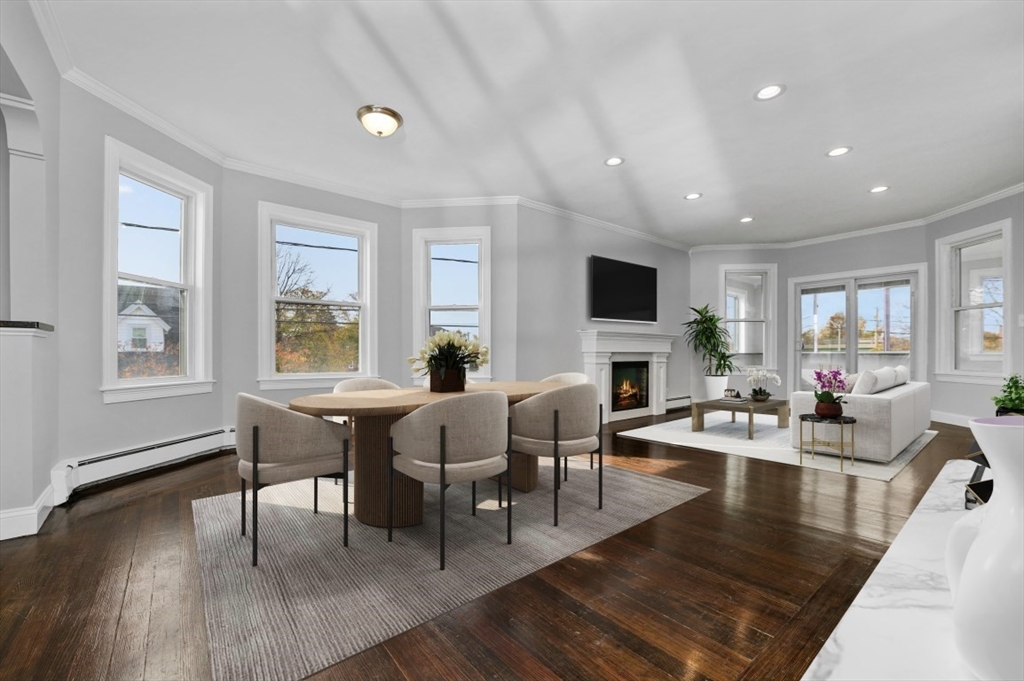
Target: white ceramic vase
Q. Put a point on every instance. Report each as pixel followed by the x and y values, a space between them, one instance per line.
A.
pixel 985 559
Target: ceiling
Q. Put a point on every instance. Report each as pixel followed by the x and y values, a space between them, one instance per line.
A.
pixel 528 99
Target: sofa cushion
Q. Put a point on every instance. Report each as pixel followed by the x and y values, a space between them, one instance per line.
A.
pixel 902 374
pixel 886 379
pixel 865 384
pixel 851 381
pixel 874 382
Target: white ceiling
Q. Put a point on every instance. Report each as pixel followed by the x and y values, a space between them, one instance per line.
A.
pixel 529 98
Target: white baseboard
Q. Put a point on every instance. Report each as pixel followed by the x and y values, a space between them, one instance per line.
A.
pixel 21 522
pixel 70 474
pixel 951 419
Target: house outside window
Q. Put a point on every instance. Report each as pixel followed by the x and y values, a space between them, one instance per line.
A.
pixel 317 318
pixel 451 285
pixel 156 334
pixel 747 301
pixel 974 288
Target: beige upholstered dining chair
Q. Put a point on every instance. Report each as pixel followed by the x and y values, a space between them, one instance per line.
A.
pixel 353 384
pixel 458 439
pixel 275 445
pixel 568 378
pixel 560 423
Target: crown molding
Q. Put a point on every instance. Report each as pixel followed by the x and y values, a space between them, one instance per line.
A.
pixel 119 101
pixel 461 203
pixel 17 102
pixel 612 227
pixel 311 182
pixel 42 10
pixel 949 212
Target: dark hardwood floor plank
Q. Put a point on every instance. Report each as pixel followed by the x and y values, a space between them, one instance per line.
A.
pixel 746 581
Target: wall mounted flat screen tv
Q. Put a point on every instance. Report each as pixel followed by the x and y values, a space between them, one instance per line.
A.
pixel 623 291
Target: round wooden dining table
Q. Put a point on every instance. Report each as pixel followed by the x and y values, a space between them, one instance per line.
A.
pixel 371 414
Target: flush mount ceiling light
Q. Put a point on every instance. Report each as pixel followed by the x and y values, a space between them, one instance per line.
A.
pixel 879 190
pixel 769 92
pixel 379 120
pixel 615 161
pixel 746 219
pixel 693 197
pixel 839 151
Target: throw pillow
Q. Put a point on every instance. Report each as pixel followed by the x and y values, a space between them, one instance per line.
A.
pixel 865 384
pixel 902 375
pixel 851 380
pixel 886 379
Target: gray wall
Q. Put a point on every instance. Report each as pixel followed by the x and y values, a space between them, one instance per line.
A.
pixel 963 398
pixel 553 293
pixel 893 248
pixel 504 274
pixel 5 223
pixel 238 291
pixel 88 426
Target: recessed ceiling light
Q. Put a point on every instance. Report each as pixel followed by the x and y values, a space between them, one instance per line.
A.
pixel 879 190
pixel 693 197
pixel 615 161
pixel 839 151
pixel 746 219
pixel 769 92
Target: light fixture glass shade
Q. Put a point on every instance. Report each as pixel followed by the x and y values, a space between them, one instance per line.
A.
pixel 379 120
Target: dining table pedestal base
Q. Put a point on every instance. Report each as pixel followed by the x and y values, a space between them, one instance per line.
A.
pixel 370 434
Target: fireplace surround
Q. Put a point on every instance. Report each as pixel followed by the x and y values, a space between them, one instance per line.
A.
pixel 601 348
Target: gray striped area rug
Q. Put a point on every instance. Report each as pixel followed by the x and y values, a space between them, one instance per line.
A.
pixel 312 602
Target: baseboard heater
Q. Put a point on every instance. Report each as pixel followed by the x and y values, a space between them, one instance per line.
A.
pixel 681 402
pixel 71 474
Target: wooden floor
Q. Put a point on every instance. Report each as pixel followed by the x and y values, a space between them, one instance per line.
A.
pixel 744 582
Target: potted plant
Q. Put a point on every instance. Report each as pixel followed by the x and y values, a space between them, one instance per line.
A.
pixel 828 388
pixel 445 356
pixel 1012 399
pixel 758 380
pixel 707 336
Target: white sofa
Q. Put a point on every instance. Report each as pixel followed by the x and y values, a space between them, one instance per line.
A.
pixel 887 420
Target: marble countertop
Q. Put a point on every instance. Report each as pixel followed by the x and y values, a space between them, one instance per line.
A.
pixel 900 626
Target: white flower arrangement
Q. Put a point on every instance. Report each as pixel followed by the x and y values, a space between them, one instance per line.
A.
pixel 450 350
pixel 758 380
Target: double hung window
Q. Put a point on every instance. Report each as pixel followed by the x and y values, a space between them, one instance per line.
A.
pixel 974 298
pixel 157 297
pixel 451 275
pixel 316 318
pixel 748 294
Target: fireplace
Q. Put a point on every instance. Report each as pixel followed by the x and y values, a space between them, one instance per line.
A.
pixel 629 385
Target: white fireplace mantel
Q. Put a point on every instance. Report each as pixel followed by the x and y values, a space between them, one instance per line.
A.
pixel 601 348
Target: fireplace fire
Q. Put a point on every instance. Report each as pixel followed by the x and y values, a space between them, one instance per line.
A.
pixel 629 385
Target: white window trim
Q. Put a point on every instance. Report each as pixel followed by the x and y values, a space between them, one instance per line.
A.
pixel 421 238
pixel 770 270
pixel 945 283
pixel 269 213
pixel 197 268
pixel 919 312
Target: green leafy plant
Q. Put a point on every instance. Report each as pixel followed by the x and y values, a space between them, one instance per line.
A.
pixel 1013 394
pixel 450 351
pixel 707 336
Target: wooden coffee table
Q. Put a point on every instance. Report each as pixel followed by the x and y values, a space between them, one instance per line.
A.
pixel 781 407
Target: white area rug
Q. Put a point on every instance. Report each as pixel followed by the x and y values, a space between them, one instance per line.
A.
pixel 770 443
pixel 312 602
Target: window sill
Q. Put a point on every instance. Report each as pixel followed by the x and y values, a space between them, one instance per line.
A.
pixel 976 379
pixel 154 391
pixel 306 382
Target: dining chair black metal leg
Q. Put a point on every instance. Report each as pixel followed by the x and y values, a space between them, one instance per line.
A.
pixel 508 478
pixel 255 492
pixel 558 478
pixel 600 458
pixel 391 484
pixel 474 496
pixel 243 506
pixel 316 494
pixel 499 492
pixel 591 460
pixel 565 472
pixel 557 460
pixel 444 488
pixel 344 490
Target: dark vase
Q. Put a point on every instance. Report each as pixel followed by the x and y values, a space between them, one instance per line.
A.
pixel 1003 411
pixel 761 397
pixel 454 381
pixel 828 410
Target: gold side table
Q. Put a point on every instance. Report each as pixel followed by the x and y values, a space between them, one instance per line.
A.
pixel 842 422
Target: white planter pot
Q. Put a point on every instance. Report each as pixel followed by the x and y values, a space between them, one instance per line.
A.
pixel 715 386
pixel 985 559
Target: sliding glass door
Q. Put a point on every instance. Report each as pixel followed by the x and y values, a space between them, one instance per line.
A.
pixel 883 335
